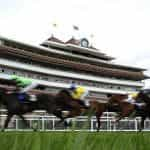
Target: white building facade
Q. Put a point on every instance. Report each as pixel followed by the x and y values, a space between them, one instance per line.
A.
pixel 56 64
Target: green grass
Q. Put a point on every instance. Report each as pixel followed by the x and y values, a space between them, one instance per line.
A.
pixel 74 141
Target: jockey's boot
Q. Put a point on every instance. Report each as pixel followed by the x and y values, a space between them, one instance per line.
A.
pixel 65 113
pixel 86 104
pixel 140 106
pixel 83 104
pixel 32 98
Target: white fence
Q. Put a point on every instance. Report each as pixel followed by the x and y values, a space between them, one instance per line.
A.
pixel 50 123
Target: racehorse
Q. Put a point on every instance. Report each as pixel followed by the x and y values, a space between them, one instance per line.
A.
pixel 127 108
pixel 96 107
pixel 116 103
pixel 144 96
pixel 15 107
pixel 99 107
pixel 51 103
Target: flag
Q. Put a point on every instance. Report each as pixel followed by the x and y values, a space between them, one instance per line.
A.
pixel 75 27
pixel 54 25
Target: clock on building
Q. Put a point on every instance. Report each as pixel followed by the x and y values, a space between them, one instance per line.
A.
pixel 84 42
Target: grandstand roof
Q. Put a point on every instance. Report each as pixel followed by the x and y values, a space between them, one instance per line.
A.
pixel 76 66
pixel 45 51
pixel 74 45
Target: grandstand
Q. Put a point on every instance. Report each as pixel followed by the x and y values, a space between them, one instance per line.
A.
pixel 55 64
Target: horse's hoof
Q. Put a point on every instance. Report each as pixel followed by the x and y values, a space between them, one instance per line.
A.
pixel 2 130
pixel 35 129
pixel 97 130
pixel 140 130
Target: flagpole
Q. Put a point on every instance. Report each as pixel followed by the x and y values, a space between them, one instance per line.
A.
pixel 76 32
pixel 91 39
pixel 54 29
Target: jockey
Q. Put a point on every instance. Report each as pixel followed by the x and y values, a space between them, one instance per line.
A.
pixel 132 99
pixel 79 92
pixel 24 85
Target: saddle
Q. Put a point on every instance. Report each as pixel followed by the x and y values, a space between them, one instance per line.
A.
pixel 65 98
pixel 26 98
pixel 23 97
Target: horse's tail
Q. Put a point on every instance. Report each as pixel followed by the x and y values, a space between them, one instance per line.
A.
pixel 2 92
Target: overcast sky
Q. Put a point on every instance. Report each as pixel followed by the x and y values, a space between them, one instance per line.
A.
pixel 121 28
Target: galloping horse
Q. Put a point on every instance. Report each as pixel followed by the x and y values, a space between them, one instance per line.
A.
pixel 116 103
pixel 127 108
pixel 15 107
pixel 96 107
pixel 51 103
pixel 99 108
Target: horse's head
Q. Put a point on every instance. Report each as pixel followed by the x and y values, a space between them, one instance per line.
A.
pixel 117 98
pixel 63 95
pixel 144 96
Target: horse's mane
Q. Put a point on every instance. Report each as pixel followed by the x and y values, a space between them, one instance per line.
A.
pixel 121 96
pixel 64 91
pixel 3 89
pixel 45 97
pixel 117 98
pixel 144 96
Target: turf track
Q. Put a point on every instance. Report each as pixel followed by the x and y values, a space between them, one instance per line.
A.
pixel 74 141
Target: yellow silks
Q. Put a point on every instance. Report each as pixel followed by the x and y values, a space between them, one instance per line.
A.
pixel 78 92
pixel 134 95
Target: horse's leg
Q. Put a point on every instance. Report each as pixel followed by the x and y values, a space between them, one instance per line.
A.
pixel 58 113
pixel 119 118
pixel 9 116
pixel 125 111
pixel 98 122
pixel 24 121
pixel 67 123
pixel 69 115
pixel 142 123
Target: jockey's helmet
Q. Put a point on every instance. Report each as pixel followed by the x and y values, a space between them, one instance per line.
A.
pixel 72 87
pixel 14 77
